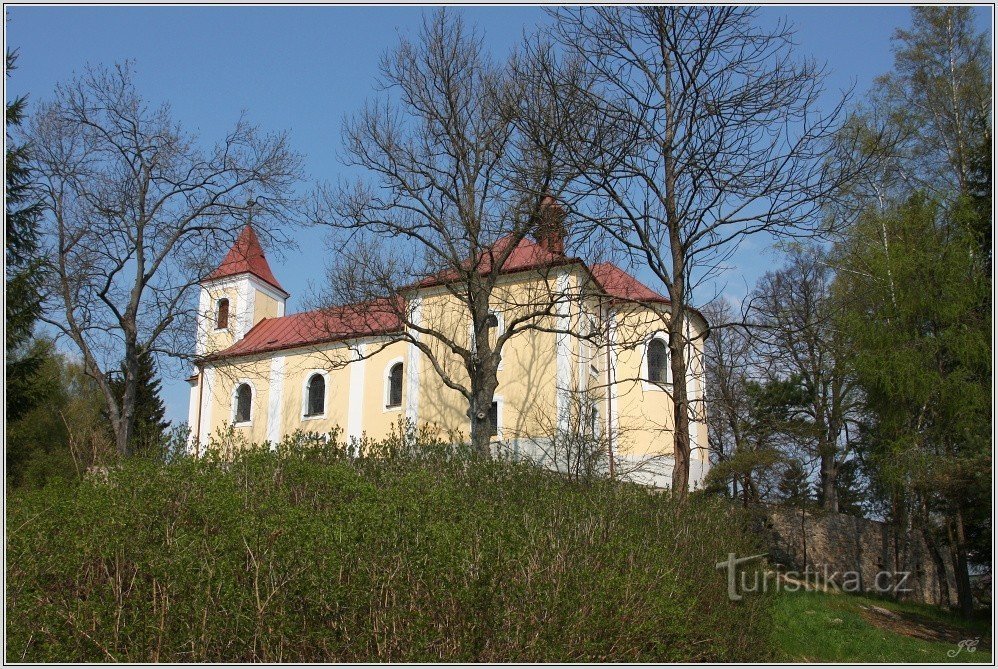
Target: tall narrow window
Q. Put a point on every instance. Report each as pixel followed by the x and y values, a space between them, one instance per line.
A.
pixel 492 328
pixel 658 362
pixel 594 424
pixel 316 395
pixel 222 314
pixel 395 385
pixel 494 419
pixel 244 403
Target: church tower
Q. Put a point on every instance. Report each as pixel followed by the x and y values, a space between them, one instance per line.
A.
pixel 240 293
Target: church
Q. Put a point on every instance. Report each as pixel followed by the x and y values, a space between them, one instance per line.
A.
pixel 266 374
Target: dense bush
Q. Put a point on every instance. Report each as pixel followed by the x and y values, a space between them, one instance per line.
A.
pixel 307 555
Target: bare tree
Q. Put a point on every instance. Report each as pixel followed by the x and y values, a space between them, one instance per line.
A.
pixel 462 159
pixel 728 358
pixel 134 209
pixel 796 331
pixel 714 130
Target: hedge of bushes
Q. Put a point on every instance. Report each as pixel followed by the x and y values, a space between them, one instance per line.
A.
pixel 305 555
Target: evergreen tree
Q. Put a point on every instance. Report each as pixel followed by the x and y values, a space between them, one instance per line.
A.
pixel 23 303
pixel 794 487
pixel 149 432
pixel 923 359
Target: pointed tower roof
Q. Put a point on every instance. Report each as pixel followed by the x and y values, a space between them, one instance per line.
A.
pixel 246 256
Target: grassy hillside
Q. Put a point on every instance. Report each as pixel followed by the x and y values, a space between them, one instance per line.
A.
pixel 312 557
pixel 820 627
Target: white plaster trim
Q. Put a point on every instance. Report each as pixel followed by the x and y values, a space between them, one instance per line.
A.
pixel 247 285
pixel 411 398
pixel 563 376
pixel 192 411
pixel 204 318
pixel 304 394
pixel 500 405
pixel 611 380
pixel 355 402
pixel 694 389
pixel 208 379
pixel 259 284
pixel 254 398
pixel 274 397
pixel 645 383
pixel 246 304
pixel 386 386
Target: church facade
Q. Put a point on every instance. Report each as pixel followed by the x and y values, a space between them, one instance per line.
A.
pixel 598 367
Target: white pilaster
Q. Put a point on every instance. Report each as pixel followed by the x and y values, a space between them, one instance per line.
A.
pixel 204 321
pixel 208 379
pixel 274 400
pixel 192 415
pixel 611 377
pixel 563 368
pixel 355 402
pixel 412 365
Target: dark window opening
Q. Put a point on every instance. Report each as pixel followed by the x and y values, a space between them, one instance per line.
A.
pixel 244 403
pixel 395 385
pixel 594 421
pixel 316 395
pixel 494 420
pixel 658 361
pixel 222 314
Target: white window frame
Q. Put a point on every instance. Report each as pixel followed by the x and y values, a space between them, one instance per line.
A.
pixel 386 383
pixel 304 394
pixel 500 330
pixel 228 316
pixel 645 376
pixel 235 402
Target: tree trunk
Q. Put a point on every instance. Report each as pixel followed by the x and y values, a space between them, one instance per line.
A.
pixel 680 404
pixel 829 470
pixel 958 540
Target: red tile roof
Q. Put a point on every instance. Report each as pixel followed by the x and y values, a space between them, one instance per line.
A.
pixel 618 283
pixel 380 317
pixel 317 327
pixel 526 255
pixel 246 255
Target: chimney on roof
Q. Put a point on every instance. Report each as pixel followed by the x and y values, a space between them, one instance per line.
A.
pixel 549 228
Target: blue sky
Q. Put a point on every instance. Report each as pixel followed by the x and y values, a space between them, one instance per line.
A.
pixel 301 69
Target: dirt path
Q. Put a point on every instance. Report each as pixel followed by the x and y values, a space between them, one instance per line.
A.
pixel 920 627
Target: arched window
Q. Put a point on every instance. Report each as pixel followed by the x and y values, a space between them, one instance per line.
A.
pixel 658 361
pixel 222 314
pixel 244 403
pixel 395 386
pixel 316 396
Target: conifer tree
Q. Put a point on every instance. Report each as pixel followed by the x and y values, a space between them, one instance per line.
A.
pixel 150 425
pixel 23 265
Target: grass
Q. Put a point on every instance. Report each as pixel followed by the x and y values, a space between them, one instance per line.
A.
pixel 824 627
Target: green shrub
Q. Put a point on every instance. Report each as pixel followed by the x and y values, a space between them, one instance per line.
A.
pixel 303 554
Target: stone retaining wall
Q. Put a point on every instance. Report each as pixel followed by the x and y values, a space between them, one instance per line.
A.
pixel 866 553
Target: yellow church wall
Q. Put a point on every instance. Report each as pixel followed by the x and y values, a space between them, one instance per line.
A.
pixel 644 411
pixel 378 419
pixel 298 367
pixel 533 366
pixel 264 306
